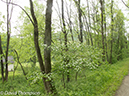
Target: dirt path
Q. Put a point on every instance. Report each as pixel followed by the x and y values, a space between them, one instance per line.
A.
pixel 124 88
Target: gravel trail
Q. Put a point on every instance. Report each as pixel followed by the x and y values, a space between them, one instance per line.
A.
pixel 124 88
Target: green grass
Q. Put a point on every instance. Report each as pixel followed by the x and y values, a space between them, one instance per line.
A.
pixel 103 81
pixel 20 84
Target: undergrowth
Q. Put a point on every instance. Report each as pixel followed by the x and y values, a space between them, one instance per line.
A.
pixel 103 81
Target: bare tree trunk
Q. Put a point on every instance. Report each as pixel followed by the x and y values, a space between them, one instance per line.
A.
pixel 8 39
pixel 47 51
pixel 111 31
pixel 105 30
pixel 1 60
pixel 86 33
pixel 14 71
pixel 65 38
pixel 102 30
pixel 70 22
pixel 89 23
pixel 47 41
pixel 80 21
pixel 18 61
pixel 76 76
pixel 33 59
pixel 71 31
pixel 63 79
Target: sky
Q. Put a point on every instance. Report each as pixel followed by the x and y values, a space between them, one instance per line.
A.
pixel 23 3
pixel 16 11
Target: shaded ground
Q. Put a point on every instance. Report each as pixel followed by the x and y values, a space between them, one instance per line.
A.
pixel 124 88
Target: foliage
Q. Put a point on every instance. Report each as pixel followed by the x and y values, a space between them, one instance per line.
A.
pixel 95 77
pixel 103 81
pixel 120 49
pixel 79 56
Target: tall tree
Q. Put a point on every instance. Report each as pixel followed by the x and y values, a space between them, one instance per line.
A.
pixel 65 36
pixel 78 4
pixel 102 28
pixel 80 21
pixel 89 22
pixel 69 20
pixel 9 16
pixel 8 39
pixel 111 50
pixel 105 30
pixel 47 41
pixel 45 69
pixel 1 59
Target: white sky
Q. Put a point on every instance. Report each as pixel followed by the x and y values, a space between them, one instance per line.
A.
pixel 16 11
pixel 23 3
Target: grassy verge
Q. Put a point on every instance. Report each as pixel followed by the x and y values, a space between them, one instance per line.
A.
pixel 103 81
pixel 19 86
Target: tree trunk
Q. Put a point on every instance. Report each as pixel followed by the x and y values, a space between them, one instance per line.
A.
pixel 71 31
pixel 105 30
pixel 47 51
pixel 102 30
pixel 76 76
pixel 1 60
pixel 89 23
pixel 65 38
pixel 47 41
pixel 80 21
pixel 33 59
pixel 111 31
pixel 70 22
pixel 18 61
pixel 8 39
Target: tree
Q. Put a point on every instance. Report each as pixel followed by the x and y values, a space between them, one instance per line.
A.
pixel 80 19
pixel 102 28
pixel 112 21
pixel 9 16
pixel 1 58
pixel 89 22
pixel 65 37
pixel 119 36
pixel 45 69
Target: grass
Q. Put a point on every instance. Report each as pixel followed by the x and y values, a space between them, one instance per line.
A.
pixel 20 85
pixel 103 81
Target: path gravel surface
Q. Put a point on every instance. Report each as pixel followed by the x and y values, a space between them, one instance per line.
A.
pixel 124 88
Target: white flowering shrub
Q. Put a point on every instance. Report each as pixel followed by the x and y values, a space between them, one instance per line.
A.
pixel 77 56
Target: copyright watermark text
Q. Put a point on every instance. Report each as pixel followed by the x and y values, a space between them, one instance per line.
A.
pixel 18 93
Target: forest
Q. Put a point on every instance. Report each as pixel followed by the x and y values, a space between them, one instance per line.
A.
pixel 64 48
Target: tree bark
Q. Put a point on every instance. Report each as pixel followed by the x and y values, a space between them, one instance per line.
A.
pixel 65 38
pixel 102 30
pixel 111 31
pixel 47 68
pixel 18 61
pixel 36 42
pixel 89 23
pixel 70 22
pixel 8 39
pixel 47 49
pixel 80 21
pixel 1 60
pixel 105 25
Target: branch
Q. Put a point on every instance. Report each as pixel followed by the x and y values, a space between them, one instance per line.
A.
pixel 11 14
pixel 125 4
pixel 22 10
pixel 32 13
pixel 18 61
